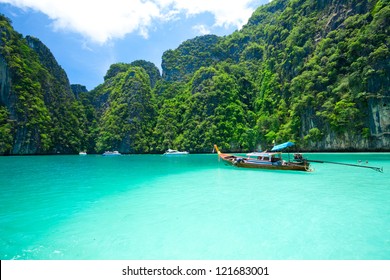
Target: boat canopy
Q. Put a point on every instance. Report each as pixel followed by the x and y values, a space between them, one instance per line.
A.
pixel 282 146
pixel 261 154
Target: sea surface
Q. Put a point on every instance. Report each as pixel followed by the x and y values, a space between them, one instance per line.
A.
pixel 194 207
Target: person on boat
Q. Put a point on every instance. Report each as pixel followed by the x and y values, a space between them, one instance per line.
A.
pixel 238 160
pixel 298 156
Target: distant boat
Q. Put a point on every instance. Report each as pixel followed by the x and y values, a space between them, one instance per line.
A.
pixel 266 160
pixel 83 153
pixel 112 153
pixel 175 152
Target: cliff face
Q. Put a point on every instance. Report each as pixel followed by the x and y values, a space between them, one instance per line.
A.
pixel 6 107
pixel 16 142
pixel 181 63
pixel 356 32
pixel 40 111
pixel 310 71
pixel 6 98
pixel 78 89
pixel 126 122
pixel 314 72
pixel 379 119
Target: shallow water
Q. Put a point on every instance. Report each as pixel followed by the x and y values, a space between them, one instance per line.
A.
pixel 192 207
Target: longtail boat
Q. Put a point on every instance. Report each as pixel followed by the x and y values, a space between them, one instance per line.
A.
pixel 266 160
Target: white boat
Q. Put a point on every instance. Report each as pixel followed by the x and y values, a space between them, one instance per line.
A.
pixel 112 153
pixel 175 152
pixel 83 153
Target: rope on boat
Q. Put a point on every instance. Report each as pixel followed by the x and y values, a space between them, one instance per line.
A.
pixel 379 169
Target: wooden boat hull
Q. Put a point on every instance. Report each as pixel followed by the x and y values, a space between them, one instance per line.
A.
pixel 245 163
pixel 287 166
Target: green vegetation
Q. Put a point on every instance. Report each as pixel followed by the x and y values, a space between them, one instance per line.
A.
pixel 42 111
pixel 127 123
pixel 6 135
pixel 308 71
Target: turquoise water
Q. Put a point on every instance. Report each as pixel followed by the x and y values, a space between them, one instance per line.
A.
pixel 191 207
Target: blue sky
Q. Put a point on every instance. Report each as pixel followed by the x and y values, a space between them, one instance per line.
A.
pixel 87 36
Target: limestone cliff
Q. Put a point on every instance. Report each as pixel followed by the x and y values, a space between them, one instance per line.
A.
pixel 40 111
pixel 310 71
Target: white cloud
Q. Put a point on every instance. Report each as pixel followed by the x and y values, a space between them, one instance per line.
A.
pixel 201 29
pixel 103 20
pixel 226 13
